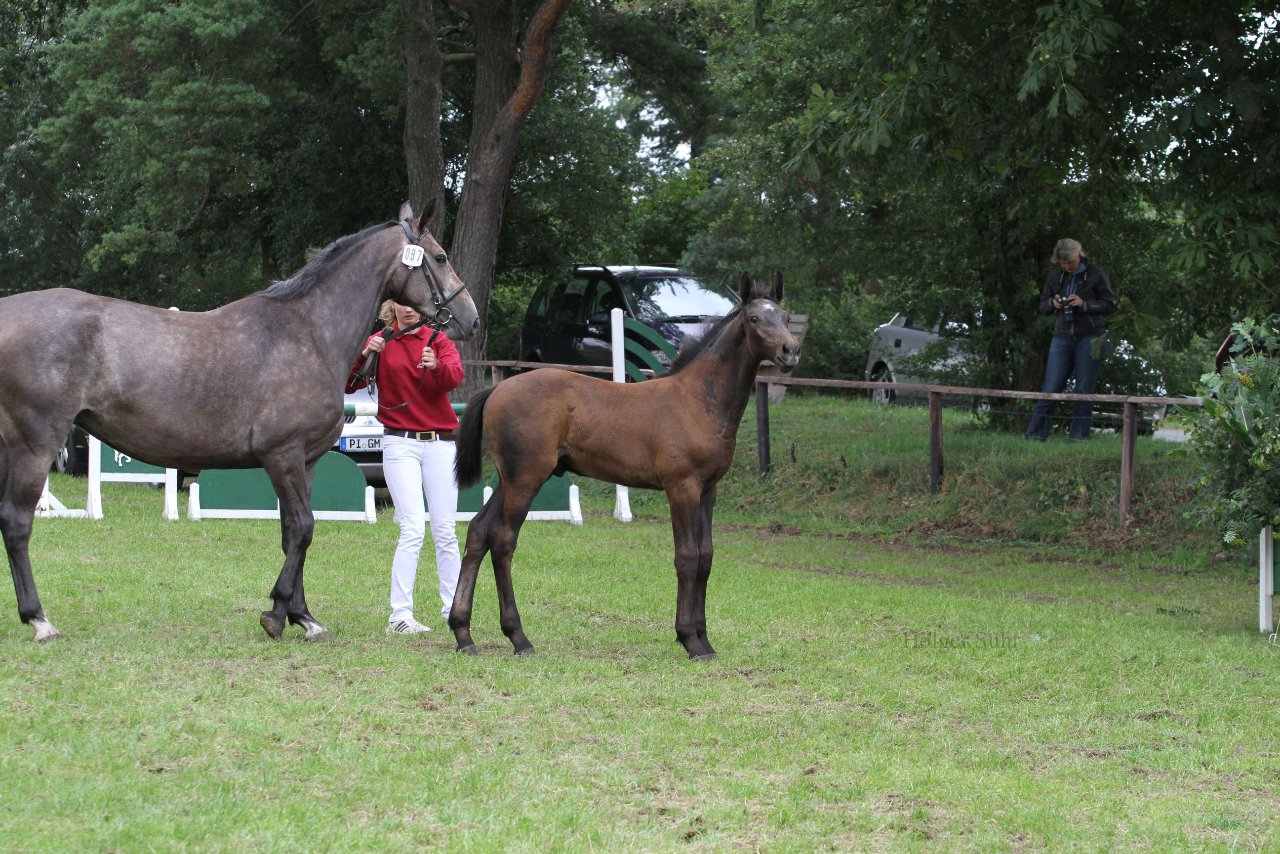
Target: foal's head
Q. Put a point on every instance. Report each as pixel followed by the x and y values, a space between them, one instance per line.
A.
pixel 765 323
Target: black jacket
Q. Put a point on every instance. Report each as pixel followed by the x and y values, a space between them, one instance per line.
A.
pixel 1099 300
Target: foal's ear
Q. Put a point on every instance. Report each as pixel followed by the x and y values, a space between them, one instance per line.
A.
pixel 777 287
pixel 746 290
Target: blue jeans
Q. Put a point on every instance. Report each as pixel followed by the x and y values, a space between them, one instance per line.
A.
pixel 1082 355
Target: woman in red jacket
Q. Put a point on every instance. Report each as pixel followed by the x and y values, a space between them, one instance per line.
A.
pixel 415 374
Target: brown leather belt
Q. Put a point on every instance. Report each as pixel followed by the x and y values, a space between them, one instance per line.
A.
pixel 421 435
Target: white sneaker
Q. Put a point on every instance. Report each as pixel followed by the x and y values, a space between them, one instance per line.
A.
pixel 408 626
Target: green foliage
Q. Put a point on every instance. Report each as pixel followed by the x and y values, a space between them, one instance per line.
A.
pixel 1236 434
pixel 512 290
pixel 840 327
pixel 941 155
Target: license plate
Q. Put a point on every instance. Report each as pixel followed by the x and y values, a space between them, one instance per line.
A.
pixel 360 443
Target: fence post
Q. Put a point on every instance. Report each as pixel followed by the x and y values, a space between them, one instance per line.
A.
pixel 762 427
pixel 1128 447
pixel 935 442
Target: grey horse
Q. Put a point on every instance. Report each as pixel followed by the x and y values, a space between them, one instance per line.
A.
pixel 255 383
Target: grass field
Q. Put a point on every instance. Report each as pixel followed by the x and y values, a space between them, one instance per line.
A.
pixel 890 677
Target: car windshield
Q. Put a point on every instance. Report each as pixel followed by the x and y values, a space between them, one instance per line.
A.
pixel 676 297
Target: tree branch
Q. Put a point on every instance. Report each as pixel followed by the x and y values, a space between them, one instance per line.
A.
pixel 537 53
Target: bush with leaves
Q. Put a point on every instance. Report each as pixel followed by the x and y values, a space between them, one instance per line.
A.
pixel 1236 433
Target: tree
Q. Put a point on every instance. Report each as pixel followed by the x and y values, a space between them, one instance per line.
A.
pixel 40 226
pixel 954 143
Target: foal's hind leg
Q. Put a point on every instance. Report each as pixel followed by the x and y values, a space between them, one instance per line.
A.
pixel 491 531
pixel 706 550
pixel 503 545
pixel 21 481
pixel 464 594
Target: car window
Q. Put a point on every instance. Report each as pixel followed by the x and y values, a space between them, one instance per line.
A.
pixel 567 305
pixel 673 297
pixel 599 298
pixel 541 300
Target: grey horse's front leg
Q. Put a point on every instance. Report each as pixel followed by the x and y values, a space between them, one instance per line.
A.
pixel 297 527
pixel 21 482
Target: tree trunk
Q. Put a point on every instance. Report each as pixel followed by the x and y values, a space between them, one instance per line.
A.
pixel 508 86
pixel 423 150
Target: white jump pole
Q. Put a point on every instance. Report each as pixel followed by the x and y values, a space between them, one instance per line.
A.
pixel 93 504
pixel 1266 582
pixel 622 498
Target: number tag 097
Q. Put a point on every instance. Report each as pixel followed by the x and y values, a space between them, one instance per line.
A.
pixel 412 255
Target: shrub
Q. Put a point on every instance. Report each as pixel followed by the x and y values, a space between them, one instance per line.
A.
pixel 1236 434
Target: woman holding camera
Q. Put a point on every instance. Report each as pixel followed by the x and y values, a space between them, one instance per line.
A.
pixel 1080 293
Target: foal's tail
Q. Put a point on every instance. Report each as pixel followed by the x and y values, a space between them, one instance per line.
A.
pixel 468 464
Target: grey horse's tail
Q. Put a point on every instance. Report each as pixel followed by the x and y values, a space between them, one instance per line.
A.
pixel 468 464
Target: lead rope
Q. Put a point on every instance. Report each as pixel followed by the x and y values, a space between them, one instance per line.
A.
pixel 369 370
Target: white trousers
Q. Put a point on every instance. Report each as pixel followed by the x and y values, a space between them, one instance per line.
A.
pixel 413 469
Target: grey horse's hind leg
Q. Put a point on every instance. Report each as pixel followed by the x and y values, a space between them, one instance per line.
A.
pixel 22 476
pixel 297 526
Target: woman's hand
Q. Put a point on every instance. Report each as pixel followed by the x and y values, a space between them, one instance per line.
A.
pixel 376 344
pixel 429 360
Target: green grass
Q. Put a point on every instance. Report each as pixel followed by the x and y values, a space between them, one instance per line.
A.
pixel 888 678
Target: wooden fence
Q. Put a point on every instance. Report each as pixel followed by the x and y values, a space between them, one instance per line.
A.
pixel 1128 429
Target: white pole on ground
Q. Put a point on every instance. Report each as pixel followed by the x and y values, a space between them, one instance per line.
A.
pixel 1266 581
pixel 622 498
pixel 171 494
pixel 93 504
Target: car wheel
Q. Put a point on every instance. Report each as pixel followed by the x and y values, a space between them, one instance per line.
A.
pixel 69 460
pixel 882 396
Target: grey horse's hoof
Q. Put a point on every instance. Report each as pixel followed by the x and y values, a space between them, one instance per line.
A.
pixel 44 631
pixel 271 625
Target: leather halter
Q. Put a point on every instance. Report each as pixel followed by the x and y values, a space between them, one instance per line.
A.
pixel 442 315
pixel 438 321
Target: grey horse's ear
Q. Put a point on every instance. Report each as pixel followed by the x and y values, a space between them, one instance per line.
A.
pixel 777 287
pixel 406 212
pixel 423 223
pixel 746 290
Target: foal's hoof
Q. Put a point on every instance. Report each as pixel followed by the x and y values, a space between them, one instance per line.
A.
pixel 469 649
pixel 526 651
pixel 271 625
pixel 704 656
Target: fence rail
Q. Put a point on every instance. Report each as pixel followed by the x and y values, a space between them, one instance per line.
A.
pixel 1128 429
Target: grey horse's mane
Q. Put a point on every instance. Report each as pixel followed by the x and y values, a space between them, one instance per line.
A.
pixel 302 282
